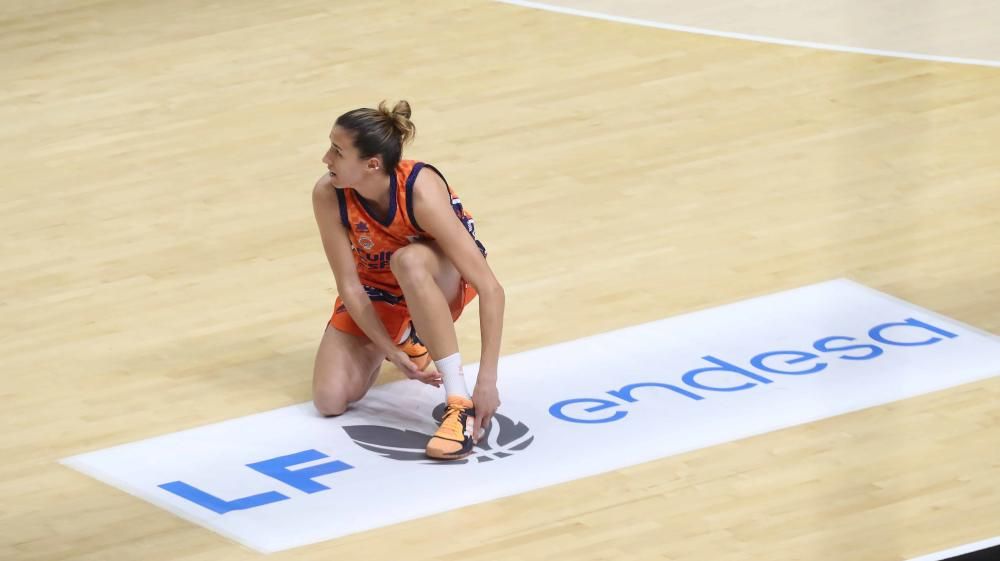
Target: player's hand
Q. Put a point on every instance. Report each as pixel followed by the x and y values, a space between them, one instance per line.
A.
pixel 486 400
pixel 402 361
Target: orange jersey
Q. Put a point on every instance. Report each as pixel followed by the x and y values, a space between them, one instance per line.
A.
pixel 374 241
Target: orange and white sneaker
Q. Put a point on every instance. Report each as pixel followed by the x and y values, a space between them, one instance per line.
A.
pixel 453 439
pixel 415 349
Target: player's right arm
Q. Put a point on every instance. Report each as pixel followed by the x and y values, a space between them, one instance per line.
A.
pixel 337 247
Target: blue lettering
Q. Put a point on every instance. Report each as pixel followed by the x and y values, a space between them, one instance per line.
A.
pixel 217 505
pixel 277 468
pixel 822 346
pixel 557 410
pixel 625 394
pixel 758 361
pixel 723 366
pixel 777 362
pixel 876 333
pixel 301 479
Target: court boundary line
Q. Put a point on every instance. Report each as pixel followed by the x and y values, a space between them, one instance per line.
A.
pixel 751 37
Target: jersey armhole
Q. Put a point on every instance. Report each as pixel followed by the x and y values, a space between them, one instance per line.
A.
pixel 410 182
pixel 342 201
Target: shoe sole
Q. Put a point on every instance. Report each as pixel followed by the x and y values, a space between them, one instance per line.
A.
pixel 447 457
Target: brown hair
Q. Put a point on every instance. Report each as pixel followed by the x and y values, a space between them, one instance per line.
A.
pixel 380 131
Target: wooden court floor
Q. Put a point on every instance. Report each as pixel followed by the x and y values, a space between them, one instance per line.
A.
pixel 160 268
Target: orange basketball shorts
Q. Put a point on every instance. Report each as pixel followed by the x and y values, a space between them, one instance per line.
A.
pixel 395 317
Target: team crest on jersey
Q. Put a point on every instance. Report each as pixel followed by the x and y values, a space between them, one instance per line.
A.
pixel 366 243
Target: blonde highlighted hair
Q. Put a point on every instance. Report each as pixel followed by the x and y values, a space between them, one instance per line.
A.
pixel 380 131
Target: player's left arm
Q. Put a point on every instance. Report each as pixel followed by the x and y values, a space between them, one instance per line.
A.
pixel 432 206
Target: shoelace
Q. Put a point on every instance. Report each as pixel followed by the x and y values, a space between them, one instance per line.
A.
pixel 452 421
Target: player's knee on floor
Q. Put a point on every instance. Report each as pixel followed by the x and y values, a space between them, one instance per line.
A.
pixel 330 403
pixel 330 408
pixel 333 401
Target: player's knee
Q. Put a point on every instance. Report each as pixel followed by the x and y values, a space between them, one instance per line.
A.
pixel 330 408
pixel 330 403
pixel 409 263
pixel 333 400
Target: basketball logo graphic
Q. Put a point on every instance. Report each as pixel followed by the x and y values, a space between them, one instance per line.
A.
pixel 503 438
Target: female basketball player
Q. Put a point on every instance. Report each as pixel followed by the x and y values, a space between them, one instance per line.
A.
pixel 406 260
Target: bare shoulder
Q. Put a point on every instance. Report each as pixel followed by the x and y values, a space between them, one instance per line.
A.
pixel 429 186
pixel 324 190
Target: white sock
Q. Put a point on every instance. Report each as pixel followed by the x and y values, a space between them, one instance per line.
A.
pixel 450 368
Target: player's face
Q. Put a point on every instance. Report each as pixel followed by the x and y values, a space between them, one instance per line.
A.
pixel 347 167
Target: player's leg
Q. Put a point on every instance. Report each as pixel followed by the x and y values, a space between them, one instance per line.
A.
pixel 431 284
pixel 435 293
pixel 345 369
